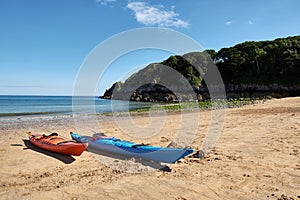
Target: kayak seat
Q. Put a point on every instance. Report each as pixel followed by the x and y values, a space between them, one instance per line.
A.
pixel 66 141
pixel 52 134
pixel 138 145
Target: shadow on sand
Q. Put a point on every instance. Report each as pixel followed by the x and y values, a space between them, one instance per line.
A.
pixel 61 157
pixel 152 164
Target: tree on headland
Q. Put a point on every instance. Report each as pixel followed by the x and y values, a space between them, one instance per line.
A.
pixel 262 62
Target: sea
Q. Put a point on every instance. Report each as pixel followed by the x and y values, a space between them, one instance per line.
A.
pixel 13 105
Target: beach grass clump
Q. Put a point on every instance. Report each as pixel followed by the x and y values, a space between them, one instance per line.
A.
pixel 202 105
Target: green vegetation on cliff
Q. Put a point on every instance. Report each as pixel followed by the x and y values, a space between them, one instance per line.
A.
pixel 248 68
pixel 264 62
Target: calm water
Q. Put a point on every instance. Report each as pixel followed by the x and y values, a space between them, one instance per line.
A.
pixel 34 105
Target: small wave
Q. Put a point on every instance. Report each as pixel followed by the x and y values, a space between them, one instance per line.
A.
pixel 29 113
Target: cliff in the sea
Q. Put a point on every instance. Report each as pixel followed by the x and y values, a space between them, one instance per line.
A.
pixel 248 70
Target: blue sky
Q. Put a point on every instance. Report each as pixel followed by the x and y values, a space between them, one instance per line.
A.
pixel 44 43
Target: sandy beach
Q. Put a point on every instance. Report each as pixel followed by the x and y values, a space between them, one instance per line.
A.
pixel 257 157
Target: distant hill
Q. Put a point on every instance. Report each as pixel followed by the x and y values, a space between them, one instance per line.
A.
pixel 248 69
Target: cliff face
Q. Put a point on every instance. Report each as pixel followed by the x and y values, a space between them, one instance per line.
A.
pixel 249 70
pixel 158 93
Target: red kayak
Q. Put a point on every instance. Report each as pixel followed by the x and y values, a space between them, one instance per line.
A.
pixel 57 144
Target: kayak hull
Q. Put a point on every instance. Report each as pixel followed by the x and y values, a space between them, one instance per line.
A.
pixel 130 149
pixel 57 144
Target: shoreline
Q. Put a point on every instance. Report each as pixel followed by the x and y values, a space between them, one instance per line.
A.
pixel 164 107
pixel 256 157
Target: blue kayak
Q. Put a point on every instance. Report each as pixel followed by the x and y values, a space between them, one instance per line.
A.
pixel 131 149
